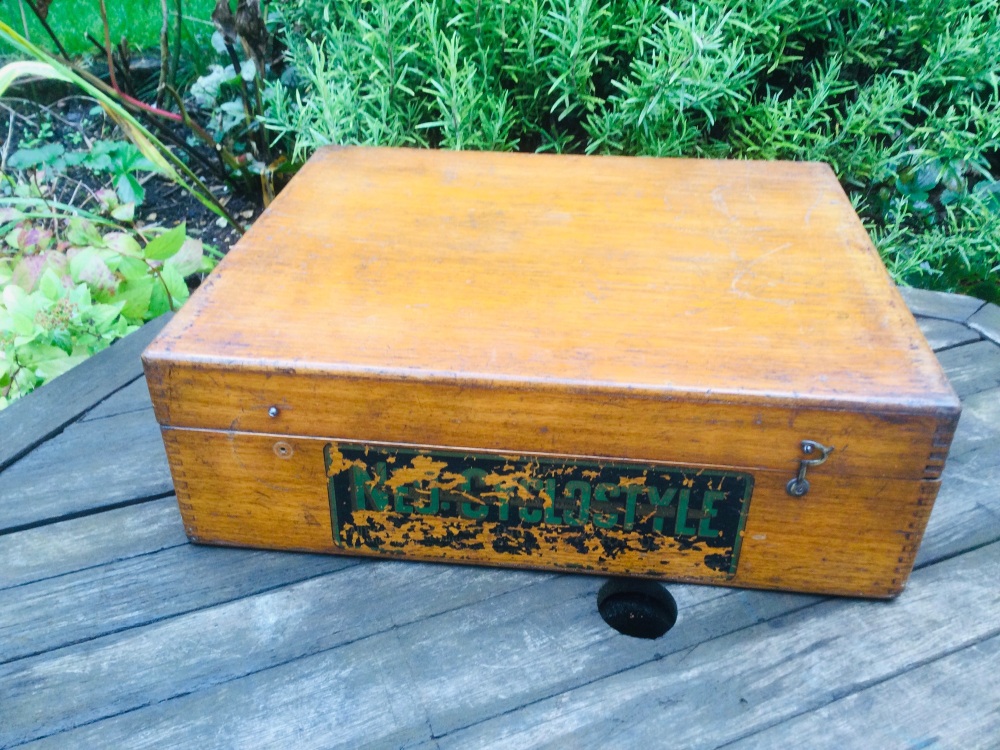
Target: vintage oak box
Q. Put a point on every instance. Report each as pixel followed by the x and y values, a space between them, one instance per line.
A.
pixel 690 370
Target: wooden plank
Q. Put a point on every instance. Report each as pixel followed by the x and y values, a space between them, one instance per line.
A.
pixel 54 692
pixel 353 703
pixel 987 322
pixel 726 688
pixel 133 397
pixel 92 540
pixel 967 510
pixel 147 672
pixel 76 607
pixel 88 466
pixel 972 368
pixel 928 304
pixel 502 672
pixel 45 411
pixel 484 613
pixel 944 334
pixel 950 702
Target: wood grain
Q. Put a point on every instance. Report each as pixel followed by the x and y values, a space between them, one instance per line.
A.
pixel 942 305
pixel 657 275
pixel 133 397
pixel 76 607
pixel 941 704
pixel 967 511
pixel 54 692
pixel 89 465
pixel 730 687
pixel 97 539
pixel 987 322
pixel 485 302
pixel 499 673
pixel 946 334
pixel 973 368
pixel 282 503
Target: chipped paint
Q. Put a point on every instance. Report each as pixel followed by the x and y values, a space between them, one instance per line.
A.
pixel 523 509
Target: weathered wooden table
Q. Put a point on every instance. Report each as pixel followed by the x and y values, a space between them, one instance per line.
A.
pixel 115 632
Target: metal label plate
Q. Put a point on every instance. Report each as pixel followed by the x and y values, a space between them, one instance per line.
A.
pixel 540 511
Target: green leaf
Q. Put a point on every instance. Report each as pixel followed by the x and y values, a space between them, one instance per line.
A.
pixel 124 212
pixel 132 269
pixel 50 284
pixel 64 340
pixel 175 285
pixel 12 71
pixel 123 244
pixel 49 155
pixel 158 302
pixel 188 259
pixel 136 297
pixel 103 316
pixel 129 189
pixel 28 271
pixel 56 366
pixel 167 244
pixel 34 355
pixel 88 266
pixel 81 233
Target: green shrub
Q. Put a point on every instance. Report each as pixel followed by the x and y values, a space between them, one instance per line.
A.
pixel 900 98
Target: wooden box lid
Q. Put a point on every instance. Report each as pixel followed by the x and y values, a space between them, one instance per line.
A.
pixel 558 304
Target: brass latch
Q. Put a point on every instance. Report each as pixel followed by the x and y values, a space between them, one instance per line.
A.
pixel 799 485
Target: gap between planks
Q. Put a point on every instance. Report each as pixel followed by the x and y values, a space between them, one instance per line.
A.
pixel 939 586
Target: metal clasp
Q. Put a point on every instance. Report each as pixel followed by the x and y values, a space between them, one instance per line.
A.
pixel 799 486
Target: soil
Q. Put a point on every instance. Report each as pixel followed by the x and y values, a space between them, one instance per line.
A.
pixel 77 122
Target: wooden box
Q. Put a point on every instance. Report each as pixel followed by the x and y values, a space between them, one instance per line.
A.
pixel 597 364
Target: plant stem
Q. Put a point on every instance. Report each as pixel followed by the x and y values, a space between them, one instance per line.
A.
pixel 164 54
pixel 45 25
pixel 175 61
pixel 114 81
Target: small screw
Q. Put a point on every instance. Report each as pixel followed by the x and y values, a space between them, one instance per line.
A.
pixel 807 448
pixel 273 411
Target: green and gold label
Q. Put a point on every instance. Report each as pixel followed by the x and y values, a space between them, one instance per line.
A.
pixel 536 510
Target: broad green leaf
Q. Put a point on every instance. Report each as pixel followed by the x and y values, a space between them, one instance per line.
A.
pixel 49 155
pixel 88 266
pixel 50 284
pixel 28 271
pixel 132 269
pixel 188 259
pixel 35 355
pixel 124 212
pixel 141 138
pixel 167 244
pixel 21 309
pixel 104 315
pixel 129 189
pixel 123 244
pixel 64 340
pixel 56 366
pixel 178 289
pixel 158 302
pixel 136 296
pixel 81 233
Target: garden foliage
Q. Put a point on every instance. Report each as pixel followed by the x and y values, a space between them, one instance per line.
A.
pixel 77 271
pixel 900 98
